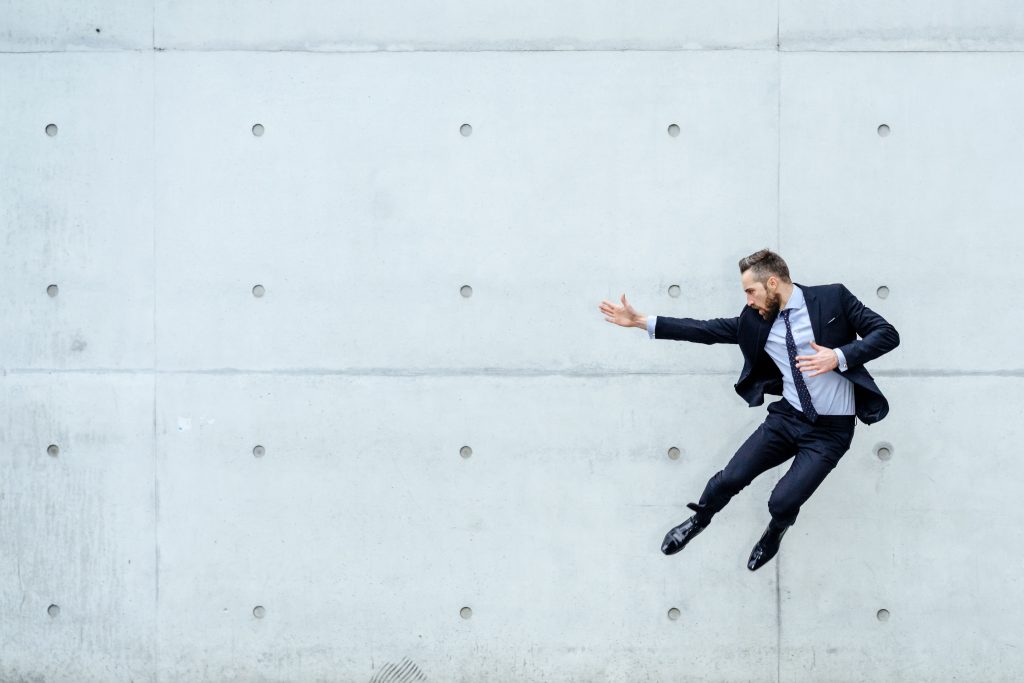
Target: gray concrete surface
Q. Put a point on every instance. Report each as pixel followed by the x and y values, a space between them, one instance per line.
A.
pixel 141 548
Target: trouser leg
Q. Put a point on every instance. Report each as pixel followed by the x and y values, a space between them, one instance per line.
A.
pixel 771 444
pixel 817 454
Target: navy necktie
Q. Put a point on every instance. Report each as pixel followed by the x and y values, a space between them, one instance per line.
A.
pixel 798 377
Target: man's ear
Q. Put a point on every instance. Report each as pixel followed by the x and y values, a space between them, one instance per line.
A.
pixel 772 282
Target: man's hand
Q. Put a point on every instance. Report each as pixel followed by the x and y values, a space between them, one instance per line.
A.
pixel 821 362
pixel 623 315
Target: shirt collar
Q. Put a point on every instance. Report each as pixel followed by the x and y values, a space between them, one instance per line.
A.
pixel 796 299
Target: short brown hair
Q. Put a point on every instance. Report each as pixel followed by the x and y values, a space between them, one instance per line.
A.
pixel 764 264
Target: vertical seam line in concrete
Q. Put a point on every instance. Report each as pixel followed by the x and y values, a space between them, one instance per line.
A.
pixel 778 134
pixel 778 619
pixel 778 247
pixel 156 379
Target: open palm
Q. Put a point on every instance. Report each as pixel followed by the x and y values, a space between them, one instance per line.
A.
pixel 624 314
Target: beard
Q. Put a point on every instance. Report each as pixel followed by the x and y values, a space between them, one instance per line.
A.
pixel 771 305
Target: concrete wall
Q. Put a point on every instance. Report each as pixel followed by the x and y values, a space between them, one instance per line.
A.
pixel 201 484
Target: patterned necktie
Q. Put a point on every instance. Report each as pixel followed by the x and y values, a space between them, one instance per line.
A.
pixel 798 377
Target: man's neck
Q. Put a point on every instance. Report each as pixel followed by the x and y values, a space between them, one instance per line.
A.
pixel 785 292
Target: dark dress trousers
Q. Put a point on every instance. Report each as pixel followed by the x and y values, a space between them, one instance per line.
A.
pixel 837 318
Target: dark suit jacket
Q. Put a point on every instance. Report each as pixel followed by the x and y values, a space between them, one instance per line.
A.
pixel 837 317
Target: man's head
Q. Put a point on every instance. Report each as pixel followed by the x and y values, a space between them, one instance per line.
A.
pixel 764 275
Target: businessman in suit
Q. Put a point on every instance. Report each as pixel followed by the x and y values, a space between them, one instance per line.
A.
pixel 799 342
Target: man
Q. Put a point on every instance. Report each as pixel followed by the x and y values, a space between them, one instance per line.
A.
pixel 799 342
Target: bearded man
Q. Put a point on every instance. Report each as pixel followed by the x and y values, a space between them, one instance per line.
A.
pixel 799 342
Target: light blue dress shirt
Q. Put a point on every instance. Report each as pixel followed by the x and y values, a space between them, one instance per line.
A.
pixel 831 393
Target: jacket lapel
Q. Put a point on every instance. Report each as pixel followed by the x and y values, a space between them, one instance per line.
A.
pixel 813 310
pixel 762 331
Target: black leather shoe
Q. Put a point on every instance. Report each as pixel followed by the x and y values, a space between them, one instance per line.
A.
pixel 677 538
pixel 765 548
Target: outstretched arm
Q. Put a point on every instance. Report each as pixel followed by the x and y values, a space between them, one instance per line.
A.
pixel 715 331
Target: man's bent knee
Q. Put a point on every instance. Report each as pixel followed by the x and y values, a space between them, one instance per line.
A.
pixel 782 511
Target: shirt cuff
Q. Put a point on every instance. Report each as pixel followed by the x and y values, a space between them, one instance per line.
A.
pixel 842 360
pixel 651 320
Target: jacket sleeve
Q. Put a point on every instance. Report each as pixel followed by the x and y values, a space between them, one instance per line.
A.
pixel 877 335
pixel 714 331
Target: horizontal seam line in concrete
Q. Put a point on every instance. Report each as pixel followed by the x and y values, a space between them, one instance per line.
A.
pixel 770 48
pixel 767 48
pixel 463 372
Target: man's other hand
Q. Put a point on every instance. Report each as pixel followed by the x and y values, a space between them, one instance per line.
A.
pixel 623 315
pixel 821 362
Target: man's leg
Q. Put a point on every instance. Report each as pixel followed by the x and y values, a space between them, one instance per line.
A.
pixel 819 449
pixel 771 444
pixel 819 452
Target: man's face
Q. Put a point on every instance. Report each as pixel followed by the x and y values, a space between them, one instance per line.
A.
pixel 764 297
